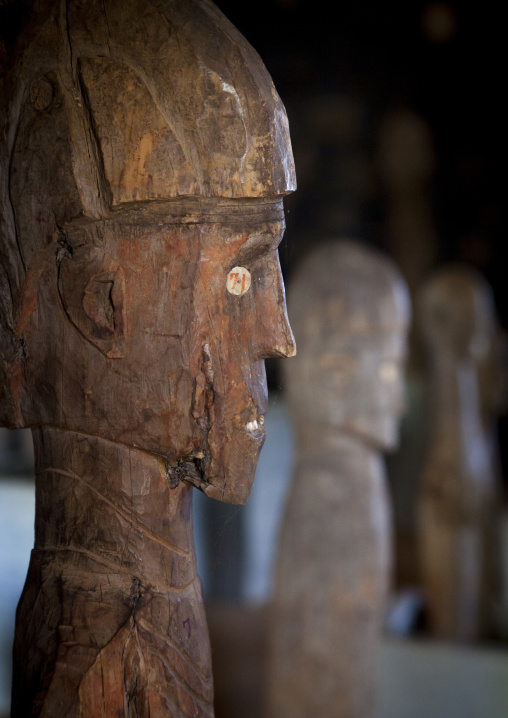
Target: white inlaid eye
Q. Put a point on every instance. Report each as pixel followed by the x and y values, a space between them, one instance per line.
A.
pixel 238 280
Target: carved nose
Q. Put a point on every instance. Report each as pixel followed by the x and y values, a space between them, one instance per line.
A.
pixel 276 336
pixel 290 349
pixel 284 344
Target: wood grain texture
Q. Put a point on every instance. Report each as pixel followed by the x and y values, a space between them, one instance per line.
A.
pixel 144 154
pixel 111 620
pixel 351 311
pixel 459 490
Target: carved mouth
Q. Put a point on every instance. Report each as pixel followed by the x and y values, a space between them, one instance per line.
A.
pixel 255 427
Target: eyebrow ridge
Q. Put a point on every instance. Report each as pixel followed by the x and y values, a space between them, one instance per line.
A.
pixel 261 241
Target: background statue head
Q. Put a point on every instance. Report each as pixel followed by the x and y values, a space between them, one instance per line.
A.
pixel 457 314
pixel 351 312
pixel 458 323
pixel 144 157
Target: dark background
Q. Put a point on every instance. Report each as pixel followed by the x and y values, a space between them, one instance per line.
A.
pixel 445 61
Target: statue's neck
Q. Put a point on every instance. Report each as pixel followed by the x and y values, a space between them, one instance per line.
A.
pixel 113 503
pixel 458 444
pixel 455 401
pixel 320 440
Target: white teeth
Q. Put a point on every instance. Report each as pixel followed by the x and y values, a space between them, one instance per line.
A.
pixel 261 420
pixel 252 426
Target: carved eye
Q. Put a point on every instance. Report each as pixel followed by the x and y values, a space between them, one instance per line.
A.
pixel 238 280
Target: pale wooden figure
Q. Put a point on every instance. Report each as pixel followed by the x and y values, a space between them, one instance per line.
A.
pixel 144 156
pixel 456 512
pixel 345 389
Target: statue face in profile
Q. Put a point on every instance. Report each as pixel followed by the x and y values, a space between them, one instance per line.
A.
pixel 456 311
pixel 351 311
pixel 152 348
pixel 362 379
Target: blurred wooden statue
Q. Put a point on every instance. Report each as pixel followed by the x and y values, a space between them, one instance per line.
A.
pixel 406 161
pixel 458 493
pixel 144 156
pixel 345 390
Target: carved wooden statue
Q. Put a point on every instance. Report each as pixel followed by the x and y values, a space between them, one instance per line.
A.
pixel 458 486
pixel 351 308
pixel 144 155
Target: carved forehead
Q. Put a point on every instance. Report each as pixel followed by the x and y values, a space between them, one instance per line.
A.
pixel 347 290
pixel 456 302
pixel 458 289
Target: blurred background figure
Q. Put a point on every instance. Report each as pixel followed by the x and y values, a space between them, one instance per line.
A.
pixel 460 500
pixel 406 165
pixel 350 309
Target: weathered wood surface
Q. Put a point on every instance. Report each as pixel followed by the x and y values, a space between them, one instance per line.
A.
pixel 144 156
pixel 459 491
pixel 111 620
pixel 351 310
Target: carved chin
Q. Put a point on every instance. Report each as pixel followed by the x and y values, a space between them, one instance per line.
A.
pixel 385 433
pixel 232 465
pixel 226 467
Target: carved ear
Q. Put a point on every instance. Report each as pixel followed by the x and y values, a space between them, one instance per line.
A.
pixel 92 296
